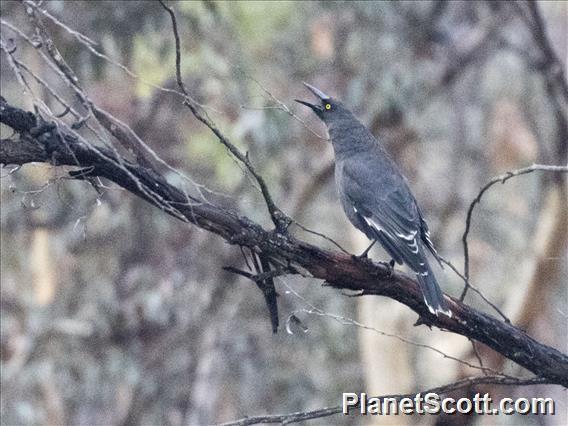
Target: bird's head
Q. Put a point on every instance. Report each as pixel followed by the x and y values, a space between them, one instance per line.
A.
pixel 328 109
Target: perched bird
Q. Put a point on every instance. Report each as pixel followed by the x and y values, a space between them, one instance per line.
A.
pixel 376 197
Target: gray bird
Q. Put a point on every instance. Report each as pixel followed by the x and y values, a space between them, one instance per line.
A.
pixel 376 197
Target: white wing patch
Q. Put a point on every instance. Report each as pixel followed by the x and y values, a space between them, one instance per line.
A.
pixel 409 238
pixel 374 225
pixel 413 246
pixel 429 242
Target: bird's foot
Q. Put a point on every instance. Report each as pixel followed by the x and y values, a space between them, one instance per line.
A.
pixel 390 267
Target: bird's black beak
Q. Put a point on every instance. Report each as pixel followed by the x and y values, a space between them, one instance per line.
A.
pixel 315 108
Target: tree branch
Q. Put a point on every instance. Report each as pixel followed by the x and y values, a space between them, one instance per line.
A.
pixel 503 178
pixel 339 270
pixel 280 220
pixel 330 411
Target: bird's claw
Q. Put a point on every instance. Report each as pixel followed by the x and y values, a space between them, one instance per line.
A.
pixel 362 258
pixel 390 267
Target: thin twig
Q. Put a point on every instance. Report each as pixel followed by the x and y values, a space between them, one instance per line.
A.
pixel 258 277
pixel 503 178
pixel 123 133
pixel 58 64
pixel 126 131
pixel 542 40
pixel 79 36
pixel 301 416
pixel 280 105
pixel 349 321
pixel 89 44
pixel 280 220
pixel 477 355
pixel 319 234
pixel 314 310
pixel 475 289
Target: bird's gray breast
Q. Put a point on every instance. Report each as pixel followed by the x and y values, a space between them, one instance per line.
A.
pixel 343 189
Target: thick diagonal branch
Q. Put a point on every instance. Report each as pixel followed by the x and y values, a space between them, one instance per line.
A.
pixel 339 270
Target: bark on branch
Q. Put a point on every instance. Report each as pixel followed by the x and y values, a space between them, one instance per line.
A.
pixel 48 143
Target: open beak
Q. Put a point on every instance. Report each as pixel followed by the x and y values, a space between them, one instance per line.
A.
pixel 317 92
pixel 315 108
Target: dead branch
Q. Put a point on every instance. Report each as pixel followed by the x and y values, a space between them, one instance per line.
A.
pixel 281 221
pixel 330 411
pixel 50 144
pixel 503 178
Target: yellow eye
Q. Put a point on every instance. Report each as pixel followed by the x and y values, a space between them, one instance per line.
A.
pixel 328 106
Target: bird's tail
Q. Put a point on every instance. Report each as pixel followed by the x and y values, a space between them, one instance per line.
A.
pixel 433 296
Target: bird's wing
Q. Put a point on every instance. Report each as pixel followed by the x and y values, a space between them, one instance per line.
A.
pixel 425 235
pixel 390 212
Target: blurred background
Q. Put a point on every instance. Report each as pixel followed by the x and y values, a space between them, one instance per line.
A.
pixel 114 313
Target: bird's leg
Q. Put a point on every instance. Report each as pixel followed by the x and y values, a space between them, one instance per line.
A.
pixel 364 254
